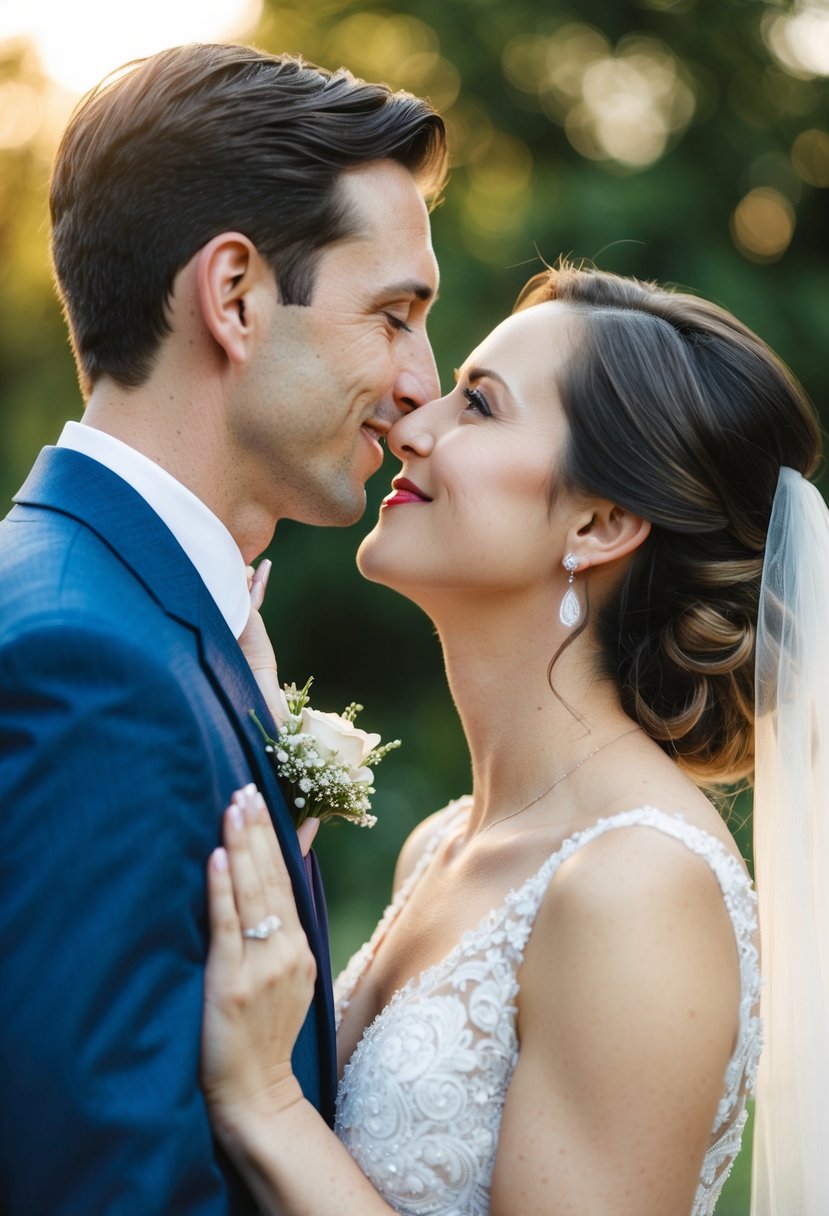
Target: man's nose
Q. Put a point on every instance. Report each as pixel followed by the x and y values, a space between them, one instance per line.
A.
pixel 417 377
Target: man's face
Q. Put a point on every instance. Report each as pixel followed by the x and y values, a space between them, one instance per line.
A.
pixel 330 378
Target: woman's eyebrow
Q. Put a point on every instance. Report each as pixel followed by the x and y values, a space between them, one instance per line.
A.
pixel 481 373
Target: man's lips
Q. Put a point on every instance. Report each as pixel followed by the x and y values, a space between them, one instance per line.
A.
pixel 404 491
pixel 374 437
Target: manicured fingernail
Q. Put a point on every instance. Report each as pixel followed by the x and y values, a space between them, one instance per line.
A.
pixel 220 859
pixel 249 790
pixel 260 582
pixel 237 817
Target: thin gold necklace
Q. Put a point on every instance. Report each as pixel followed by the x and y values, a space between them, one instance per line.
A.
pixel 558 780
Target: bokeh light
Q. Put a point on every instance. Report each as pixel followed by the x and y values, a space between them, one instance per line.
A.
pixel 810 156
pixel 621 104
pixel 800 39
pixel 497 195
pixel 372 43
pixel 763 224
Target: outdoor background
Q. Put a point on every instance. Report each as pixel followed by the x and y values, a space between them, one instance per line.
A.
pixel 682 140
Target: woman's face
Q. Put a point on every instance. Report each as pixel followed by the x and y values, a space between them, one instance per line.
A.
pixel 469 511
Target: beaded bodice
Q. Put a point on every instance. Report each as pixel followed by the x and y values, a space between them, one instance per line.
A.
pixel 420 1102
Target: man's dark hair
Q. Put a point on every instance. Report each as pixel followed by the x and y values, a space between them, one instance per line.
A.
pixel 205 139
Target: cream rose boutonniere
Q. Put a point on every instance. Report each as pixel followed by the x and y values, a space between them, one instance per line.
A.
pixel 325 760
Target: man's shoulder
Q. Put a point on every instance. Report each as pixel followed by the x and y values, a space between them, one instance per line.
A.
pixel 53 568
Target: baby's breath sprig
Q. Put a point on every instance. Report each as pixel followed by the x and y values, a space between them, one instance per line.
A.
pixel 324 759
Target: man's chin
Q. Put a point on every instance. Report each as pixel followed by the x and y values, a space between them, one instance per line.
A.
pixel 340 513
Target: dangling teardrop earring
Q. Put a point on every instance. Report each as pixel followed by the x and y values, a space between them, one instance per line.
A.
pixel 570 609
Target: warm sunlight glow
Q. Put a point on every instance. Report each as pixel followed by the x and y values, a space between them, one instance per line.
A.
pixel 80 42
pixel 21 111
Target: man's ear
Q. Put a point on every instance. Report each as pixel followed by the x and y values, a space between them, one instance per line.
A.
pixel 607 533
pixel 230 274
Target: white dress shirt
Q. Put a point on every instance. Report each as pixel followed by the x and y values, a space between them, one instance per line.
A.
pixel 201 534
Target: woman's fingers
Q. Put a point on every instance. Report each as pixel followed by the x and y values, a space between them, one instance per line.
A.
pixel 225 930
pixel 260 880
pixel 257 989
pixel 259 583
pixel 306 832
pixel 269 862
pixel 248 889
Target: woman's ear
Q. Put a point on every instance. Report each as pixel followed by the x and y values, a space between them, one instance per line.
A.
pixel 610 532
pixel 229 272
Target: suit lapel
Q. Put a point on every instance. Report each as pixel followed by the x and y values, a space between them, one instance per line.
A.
pixel 236 682
pixel 74 484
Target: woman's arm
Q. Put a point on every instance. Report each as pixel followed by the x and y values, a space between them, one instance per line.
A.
pixel 628 1015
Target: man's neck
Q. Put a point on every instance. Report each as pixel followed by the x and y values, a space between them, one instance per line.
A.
pixel 182 436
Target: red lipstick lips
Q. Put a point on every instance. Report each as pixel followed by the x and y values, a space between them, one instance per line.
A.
pixel 404 491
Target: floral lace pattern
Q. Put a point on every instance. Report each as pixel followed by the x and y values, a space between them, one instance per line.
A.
pixel 420 1103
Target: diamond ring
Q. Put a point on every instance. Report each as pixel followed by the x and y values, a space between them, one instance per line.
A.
pixel 264 929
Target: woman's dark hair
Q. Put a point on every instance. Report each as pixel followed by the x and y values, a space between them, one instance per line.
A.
pixel 682 415
pixel 200 140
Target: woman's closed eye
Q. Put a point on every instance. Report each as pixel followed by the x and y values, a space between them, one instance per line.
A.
pixel 477 401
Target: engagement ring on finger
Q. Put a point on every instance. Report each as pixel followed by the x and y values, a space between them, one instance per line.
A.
pixel 264 929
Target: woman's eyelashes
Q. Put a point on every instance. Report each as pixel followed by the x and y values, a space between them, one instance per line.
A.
pixel 477 401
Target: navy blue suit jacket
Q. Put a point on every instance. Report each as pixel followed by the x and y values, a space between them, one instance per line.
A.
pixel 124 728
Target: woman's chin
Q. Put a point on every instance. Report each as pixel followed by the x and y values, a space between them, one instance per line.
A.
pixel 373 564
pixel 370 561
pixel 378 564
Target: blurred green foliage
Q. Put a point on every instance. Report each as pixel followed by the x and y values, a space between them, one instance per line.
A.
pixel 681 140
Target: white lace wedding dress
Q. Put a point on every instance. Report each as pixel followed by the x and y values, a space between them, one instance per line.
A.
pixel 420 1102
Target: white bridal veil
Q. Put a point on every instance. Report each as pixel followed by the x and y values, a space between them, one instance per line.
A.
pixel 791 844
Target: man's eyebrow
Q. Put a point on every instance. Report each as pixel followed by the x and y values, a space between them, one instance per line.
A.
pixel 408 287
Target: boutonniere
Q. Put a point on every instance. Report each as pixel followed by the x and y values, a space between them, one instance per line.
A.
pixel 324 759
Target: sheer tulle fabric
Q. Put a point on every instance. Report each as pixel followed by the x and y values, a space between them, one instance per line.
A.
pixel 791 835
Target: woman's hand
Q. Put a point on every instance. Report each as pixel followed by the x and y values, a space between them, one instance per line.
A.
pixel 257 989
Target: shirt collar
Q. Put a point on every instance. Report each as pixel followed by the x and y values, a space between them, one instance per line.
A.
pixel 201 534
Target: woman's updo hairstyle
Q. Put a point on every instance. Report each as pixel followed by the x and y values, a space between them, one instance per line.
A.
pixel 682 415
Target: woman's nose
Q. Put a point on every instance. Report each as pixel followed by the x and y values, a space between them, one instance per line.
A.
pixel 414 434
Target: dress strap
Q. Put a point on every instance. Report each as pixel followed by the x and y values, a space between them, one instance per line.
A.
pixel 733 881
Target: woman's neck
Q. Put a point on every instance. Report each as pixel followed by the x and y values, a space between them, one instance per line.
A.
pixel 521 735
